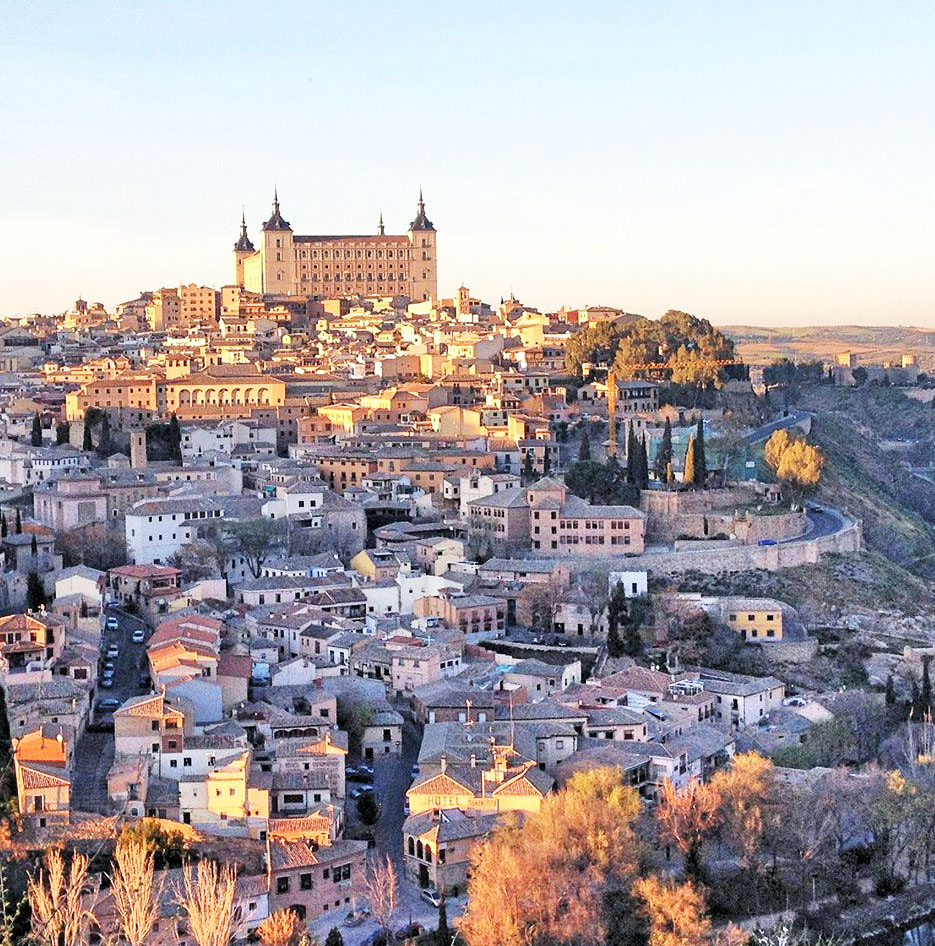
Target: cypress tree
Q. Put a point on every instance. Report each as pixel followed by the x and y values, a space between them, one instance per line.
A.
pixel 35 592
pixel 175 439
pixel 335 937
pixel 925 697
pixel 527 465
pixel 442 934
pixel 688 474
pixel 103 442
pixel 86 442
pixel 3 527
pixel 19 522
pixel 584 451
pixel 701 465
pixel 546 464
pixel 34 546
pixel 35 436
pixel 62 433
pixel 632 642
pixel 644 463
pixel 664 455
pixel 890 691
pixel 633 462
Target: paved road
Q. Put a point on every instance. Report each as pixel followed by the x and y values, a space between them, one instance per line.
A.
pixel 391 779
pixel 95 751
pixel 762 433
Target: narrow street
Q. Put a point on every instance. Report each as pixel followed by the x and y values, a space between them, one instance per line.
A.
pixel 391 778
pixel 94 754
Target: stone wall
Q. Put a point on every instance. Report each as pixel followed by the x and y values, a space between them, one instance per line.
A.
pixel 746 557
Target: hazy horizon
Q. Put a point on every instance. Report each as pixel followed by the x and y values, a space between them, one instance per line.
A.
pixel 753 165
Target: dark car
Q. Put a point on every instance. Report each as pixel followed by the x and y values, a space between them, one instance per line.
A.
pixel 379 938
pixel 358 774
pixel 358 790
pixel 407 932
pixel 107 705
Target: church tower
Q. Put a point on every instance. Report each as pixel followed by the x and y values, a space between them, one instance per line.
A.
pixel 278 252
pixel 242 249
pixel 423 261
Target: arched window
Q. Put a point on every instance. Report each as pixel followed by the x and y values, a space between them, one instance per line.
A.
pixel 412 846
pixel 419 850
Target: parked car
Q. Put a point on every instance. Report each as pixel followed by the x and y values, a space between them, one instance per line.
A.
pixel 139 636
pixel 379 938
pixel 431 896
pixel 112 624
pixel 353 919
pixel 358 774
pixel 109 668
pixel 407 932
pixel 107 705
pixel 107 683
pixel 767 541
pixel 414 772
pixel 113 651
pixel 359 790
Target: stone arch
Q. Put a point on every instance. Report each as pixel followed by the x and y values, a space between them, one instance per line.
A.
pixel 223 396
pixel 185 396
pixel 263 396
pixel 235 396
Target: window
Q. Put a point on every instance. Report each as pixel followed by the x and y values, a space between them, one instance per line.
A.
pixel 282 885
pixel 305 881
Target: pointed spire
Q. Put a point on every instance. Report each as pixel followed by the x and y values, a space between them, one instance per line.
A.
pixel 276 221
pixel 421 222
pixel 244 242
pixel 380 230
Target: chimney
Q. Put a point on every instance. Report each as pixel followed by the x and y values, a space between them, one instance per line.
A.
pixel 444 763
pixel 473 761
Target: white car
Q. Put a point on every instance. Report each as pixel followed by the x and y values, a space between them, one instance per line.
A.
pixel 113 651
pixel 431 896
pixel 139 636
pixel 112 624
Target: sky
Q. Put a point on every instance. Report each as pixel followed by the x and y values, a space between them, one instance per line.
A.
pixel 749 162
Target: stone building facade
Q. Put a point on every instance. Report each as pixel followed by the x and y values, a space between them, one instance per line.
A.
pixel 382 264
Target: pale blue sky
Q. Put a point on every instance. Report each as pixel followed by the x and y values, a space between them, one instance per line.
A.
pixel 748 162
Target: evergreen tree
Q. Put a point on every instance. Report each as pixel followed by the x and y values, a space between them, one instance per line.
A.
pixel 914 700
pixel 19 522
pixel 62 433
pixel 632 642
pixel 86 443
pixel 701 464
pixel 527 466
pixel 35 592
pixel 633 461
pixel 175 439
pixel 688 474
pixel 334 938
pixel 3 527
pixel 925 697
pixel 35 436
pixel 546 464
pixel 616 611
pixel 33 546
pixel 584 451
pixel 890 691
pixel 103 441
pixel 664 455
pixel 644 464
pixel 442 934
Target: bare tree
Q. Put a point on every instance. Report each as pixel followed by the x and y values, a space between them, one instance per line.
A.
pixel 594 581
pixel 207 897
pixel 256 539
pixel 281 928
pixel 382 888
pixel 59 915
pixel 136 891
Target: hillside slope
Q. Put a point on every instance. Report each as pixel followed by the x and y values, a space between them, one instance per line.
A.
pixel 897 509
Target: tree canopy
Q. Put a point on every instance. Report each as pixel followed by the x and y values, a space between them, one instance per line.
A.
pixel 689 346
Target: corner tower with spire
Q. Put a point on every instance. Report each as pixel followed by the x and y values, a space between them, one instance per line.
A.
pixel 328 267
